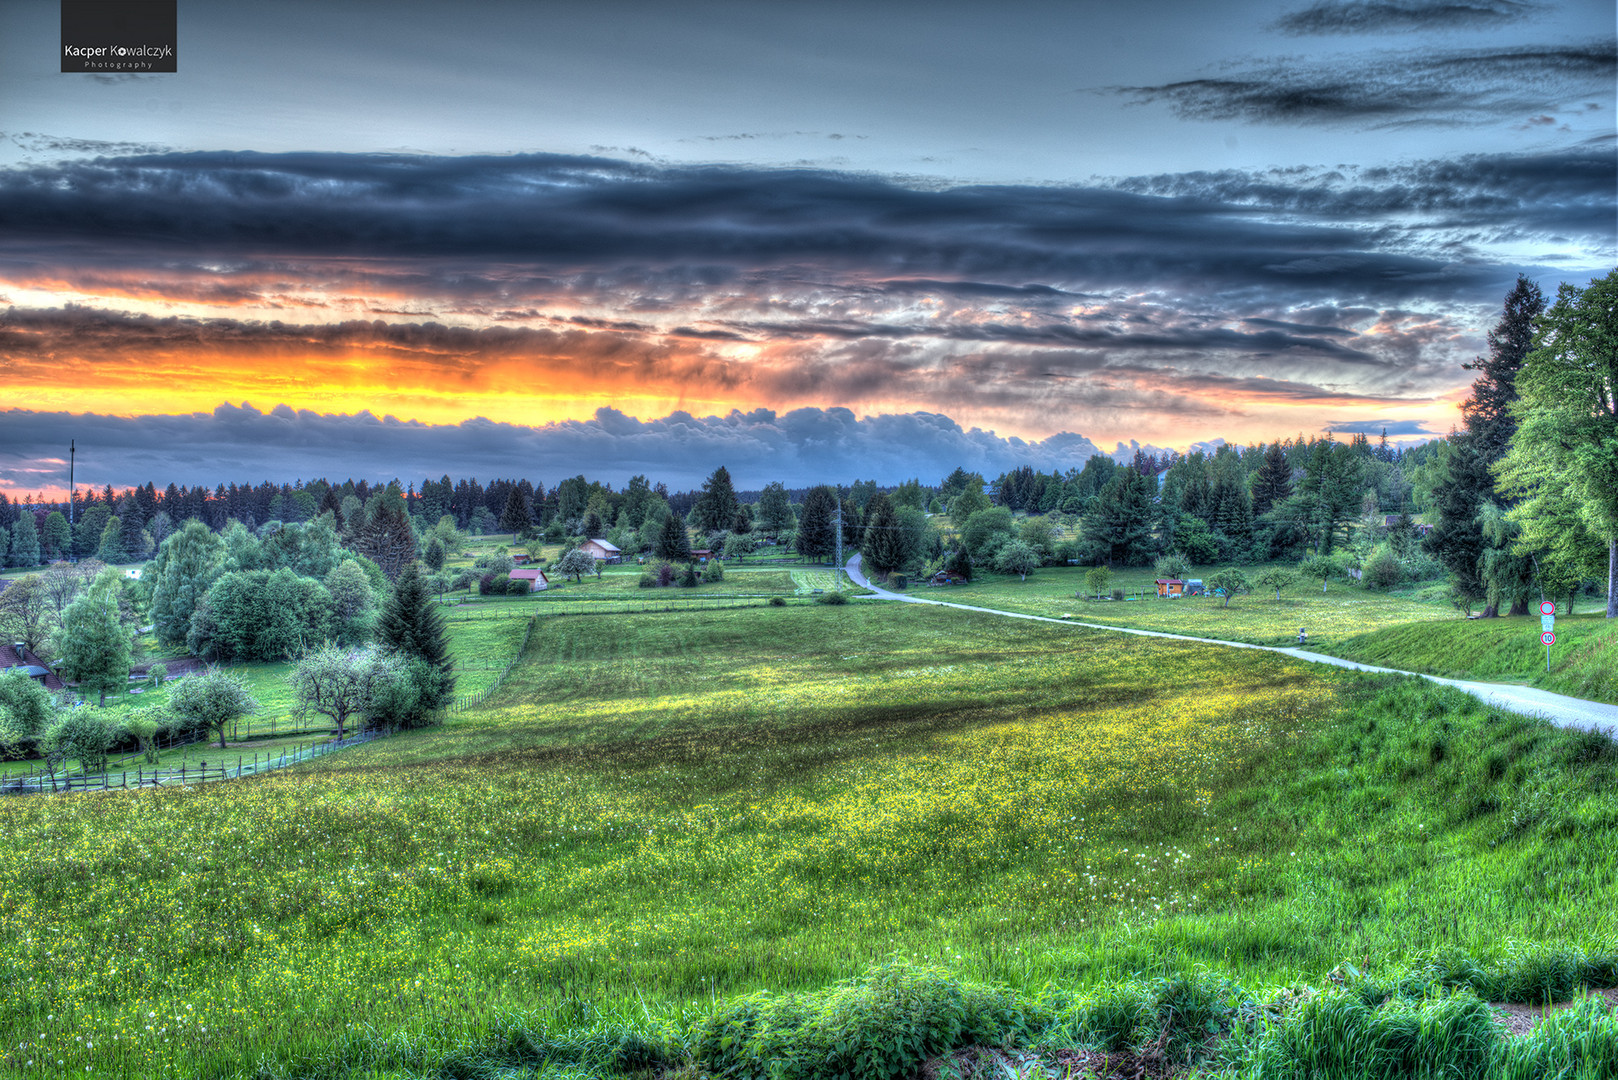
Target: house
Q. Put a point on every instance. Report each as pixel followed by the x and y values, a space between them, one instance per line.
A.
pixel 602 549
pixel 701 554
pixel 518 558
pixel 1170 587
pixel 19 657
pixel 537 581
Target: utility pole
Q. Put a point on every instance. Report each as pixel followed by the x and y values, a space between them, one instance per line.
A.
pixel 72 452
pixel 839 533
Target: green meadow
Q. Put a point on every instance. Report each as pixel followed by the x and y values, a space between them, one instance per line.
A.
pixel 659 813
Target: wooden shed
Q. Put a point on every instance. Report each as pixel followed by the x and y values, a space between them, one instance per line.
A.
pixel 1170 587
pixel 537 581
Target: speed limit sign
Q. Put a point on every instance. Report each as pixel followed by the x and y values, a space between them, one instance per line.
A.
pixel 1548 637
pixel 1547 607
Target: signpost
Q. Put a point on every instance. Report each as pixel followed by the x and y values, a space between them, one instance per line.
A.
pixel 1547 628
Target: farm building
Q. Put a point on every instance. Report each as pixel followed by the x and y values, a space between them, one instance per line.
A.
pixel 944 577
pixel 701 554
pixel 1170 587
pixel 20 658
pixel 519 558
pixel 602 549
pixel 537 581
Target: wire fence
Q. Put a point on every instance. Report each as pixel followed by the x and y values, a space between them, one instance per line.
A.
pixel 186 773
pixel 470 701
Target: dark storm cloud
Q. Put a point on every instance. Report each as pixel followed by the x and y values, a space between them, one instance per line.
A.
pixel 1393 16
pixel 234 444
pixel 486 227
pixel 1440 87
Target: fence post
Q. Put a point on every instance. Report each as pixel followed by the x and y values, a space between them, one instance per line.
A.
pixel 182 772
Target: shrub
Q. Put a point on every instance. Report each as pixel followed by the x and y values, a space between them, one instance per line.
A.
pixel 689 577
pixel 489 584
pixel 1381 569
pixel 1338 1034
pixel 831 598
pixel 778 601
pixel 714 570
pixel 518 587
pixel 881 1026
pixel 1117 594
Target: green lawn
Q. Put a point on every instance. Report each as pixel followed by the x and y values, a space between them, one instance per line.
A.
pixel 657 812
pixel 1332 617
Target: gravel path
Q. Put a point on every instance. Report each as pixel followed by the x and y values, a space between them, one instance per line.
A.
pixel 1559 709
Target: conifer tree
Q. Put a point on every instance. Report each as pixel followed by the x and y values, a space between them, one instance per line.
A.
pixel 412 627
pixel 672 542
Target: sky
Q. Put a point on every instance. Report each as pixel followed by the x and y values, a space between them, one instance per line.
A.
pixel 809 242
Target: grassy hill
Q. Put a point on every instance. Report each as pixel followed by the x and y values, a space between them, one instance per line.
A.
pixel 658 813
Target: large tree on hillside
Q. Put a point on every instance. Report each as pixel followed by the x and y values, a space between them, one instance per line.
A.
pixel 1567 417
pixel 1120 527
pixel 412 627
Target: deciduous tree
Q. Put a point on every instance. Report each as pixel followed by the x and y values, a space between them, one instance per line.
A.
pixel 209 700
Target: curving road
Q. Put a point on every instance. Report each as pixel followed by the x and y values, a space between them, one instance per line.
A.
pixel 1559 709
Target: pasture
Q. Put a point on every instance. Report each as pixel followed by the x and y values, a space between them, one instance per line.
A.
pixel 1331 617
pixel 658 812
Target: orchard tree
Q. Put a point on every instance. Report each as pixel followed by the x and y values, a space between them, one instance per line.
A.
pixel 1097 580
pixel 1228 582
pixel 343 684
pixel 1277 578
pixel 1016 557
pixel 209 700
pixel 578 562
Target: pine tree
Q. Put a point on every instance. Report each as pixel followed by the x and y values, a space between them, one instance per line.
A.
pixel 883 545
pixel 715 509
pixel 1273 484
pixel 672 543
pixel 514 518
pixel 817 531
pixel 1488 415
pixel 412 627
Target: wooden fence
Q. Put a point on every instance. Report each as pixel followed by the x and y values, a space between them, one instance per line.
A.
pixel 187 773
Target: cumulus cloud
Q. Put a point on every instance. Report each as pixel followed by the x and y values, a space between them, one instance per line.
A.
pixel 240 443
pixel 1429 87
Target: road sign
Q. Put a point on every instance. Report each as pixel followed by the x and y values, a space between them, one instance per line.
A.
pixel 1548 638
pixel 1547 607
pixel 1547 623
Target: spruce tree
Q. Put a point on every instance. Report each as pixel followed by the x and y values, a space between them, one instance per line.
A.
pixel 672 543
pixel 883 546
pixel 716 507
pixel 1488 415
pixel 412 627
pixel 1273 485
pixel 817 531
pixel 514 518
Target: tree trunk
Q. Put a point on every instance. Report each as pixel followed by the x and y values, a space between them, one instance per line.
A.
pixel 1519 606
pixel 1491 611
pixel 1612 578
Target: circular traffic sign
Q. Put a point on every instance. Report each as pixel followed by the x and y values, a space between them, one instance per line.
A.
pixel 1548 637
pixel 1546 607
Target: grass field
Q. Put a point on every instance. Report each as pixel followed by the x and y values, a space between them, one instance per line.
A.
pixel 1331 617
pixel 1583 662
pixel 656 813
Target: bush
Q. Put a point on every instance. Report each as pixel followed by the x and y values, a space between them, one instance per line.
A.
pixel 882 1025
pixel 714 570
pixel 689 577
pixel 518 587
pixel 778 601
pixel 1381 569
pixel 831 598
pixel 1339 1034
pixel 1117 594
pixel 491 585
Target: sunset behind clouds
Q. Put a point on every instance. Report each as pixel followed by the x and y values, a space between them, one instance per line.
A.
pixel 1124 239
